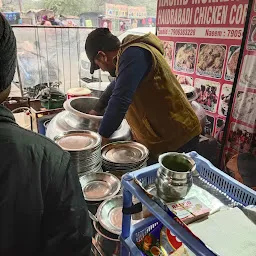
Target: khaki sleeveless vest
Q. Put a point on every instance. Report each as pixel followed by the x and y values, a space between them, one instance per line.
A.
pixel 160 116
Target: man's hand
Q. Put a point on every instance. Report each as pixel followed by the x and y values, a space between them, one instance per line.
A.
pixel 93 113
pixel 104 141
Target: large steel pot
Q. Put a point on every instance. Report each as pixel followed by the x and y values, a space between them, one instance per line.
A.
pixel 76 117
pixel 108 242
pixel 174 176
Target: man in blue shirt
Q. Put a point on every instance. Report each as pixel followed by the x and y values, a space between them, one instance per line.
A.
pixel 145 91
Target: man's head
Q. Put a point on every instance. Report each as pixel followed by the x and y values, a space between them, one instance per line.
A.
pixel 8 55
pixel 101 47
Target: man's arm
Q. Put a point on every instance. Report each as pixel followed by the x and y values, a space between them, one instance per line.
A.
pixel 66 225
pixel 135 64
pixel 104 99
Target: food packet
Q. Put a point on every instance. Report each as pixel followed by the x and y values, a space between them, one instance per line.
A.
pixel 161 242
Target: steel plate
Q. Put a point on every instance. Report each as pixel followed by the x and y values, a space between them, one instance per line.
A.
pixel 99 186
pixel 78 140
pixel 109 214
pixel 124 152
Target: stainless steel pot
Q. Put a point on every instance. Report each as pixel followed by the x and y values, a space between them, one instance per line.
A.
pixel 108 242
pixel 174 177
pixel 76 117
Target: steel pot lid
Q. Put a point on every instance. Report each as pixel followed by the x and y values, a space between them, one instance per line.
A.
pixel 81 106
pixel 78 140
pixel 99 186
pixel 109 214
pixel 126 152
pixel 97 86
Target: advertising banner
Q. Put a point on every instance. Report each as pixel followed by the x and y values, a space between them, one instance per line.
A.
pixel 202 41
pixel 137 12
pixel 116 10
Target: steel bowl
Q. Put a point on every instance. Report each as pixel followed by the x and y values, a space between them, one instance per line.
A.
pixel 174 177
pixel 99 186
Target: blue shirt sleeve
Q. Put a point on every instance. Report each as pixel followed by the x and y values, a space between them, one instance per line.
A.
pixel 104 99
pixel 135 64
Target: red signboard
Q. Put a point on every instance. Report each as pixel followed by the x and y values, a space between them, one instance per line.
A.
pixel 202 41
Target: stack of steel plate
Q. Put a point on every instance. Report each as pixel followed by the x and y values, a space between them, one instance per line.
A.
pixel 124 156
pixel 84 148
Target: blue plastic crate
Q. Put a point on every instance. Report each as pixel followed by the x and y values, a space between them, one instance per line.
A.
pixel 210 174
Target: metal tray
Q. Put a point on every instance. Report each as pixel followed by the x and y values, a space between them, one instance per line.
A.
pixel 78 140
pixel 99 186
pixel 126 152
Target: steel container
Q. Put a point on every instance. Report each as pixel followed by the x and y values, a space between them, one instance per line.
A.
pixel 174 177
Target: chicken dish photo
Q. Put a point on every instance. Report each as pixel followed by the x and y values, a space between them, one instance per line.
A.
pixel 211 59
pixel 185 57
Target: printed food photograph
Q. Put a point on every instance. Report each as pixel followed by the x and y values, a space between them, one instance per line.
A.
pixel 252 35
pixel 245 107
pixel 248 74
pixel 185 80
pixel 185 57
pixel 224 99
pixel 168 51
pixel 211 60
pixel 232 61
pixel 208 94
pixel 241 138
pixel 209 126
pixel 219 130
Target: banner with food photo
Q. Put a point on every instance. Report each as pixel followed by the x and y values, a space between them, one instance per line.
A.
pixel 205 40
pixel 208 44
pixel 168 51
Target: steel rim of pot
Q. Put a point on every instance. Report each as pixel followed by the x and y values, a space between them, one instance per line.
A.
pixel 95 246
pixel 67 106
pixel 105 236
pixel 192 162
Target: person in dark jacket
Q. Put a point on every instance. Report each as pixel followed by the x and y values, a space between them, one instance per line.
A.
pixel 42 209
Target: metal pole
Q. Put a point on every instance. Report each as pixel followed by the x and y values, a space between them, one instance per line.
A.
pixel 19 77
pixel 20 5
